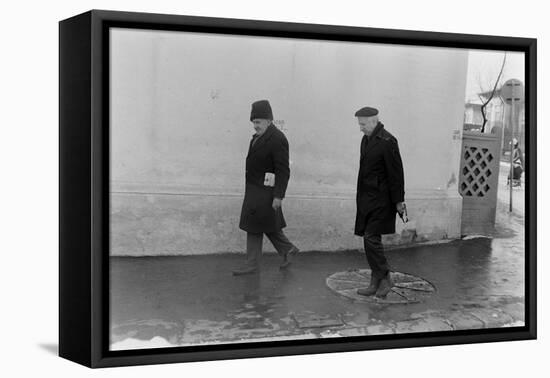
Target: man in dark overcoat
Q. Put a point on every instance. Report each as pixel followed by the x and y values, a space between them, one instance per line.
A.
pixel 380 196
pixel 267 175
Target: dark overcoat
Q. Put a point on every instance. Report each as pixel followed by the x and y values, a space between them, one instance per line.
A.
pixel 268 154
pixel 380 183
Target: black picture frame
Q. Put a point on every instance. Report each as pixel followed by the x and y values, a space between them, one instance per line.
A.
pixel 84 187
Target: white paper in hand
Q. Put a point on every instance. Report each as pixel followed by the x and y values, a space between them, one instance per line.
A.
pixel 269 179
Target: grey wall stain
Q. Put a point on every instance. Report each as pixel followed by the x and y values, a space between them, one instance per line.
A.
pixel 452 180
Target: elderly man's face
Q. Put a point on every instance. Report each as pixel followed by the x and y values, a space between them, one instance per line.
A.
pixel 260 125
pixel 367 124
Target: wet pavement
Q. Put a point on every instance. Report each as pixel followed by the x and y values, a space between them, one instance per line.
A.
pixel 406 288
pixel 518 192
pixel 189 300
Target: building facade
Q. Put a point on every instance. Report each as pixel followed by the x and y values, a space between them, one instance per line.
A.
pixel 180 129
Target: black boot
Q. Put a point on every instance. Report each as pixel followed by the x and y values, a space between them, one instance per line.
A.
pixel 385 286
pixel 373 286
pixel 287 257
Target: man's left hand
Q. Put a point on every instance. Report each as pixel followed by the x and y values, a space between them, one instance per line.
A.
pixel 277 202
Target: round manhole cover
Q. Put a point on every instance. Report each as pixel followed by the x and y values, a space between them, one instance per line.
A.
pixel 407 288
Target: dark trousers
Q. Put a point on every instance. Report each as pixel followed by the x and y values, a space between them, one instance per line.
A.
pixel 375 255
pixel 254 245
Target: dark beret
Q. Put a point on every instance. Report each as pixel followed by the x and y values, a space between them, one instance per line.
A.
pixel 366 112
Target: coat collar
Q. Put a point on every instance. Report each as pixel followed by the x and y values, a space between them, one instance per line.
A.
pixel 373 139
pixel 261 139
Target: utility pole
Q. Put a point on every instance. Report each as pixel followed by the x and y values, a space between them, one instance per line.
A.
pixel 512 118
pixel 512 92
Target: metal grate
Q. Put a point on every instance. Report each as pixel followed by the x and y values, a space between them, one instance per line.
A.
pixel 475 172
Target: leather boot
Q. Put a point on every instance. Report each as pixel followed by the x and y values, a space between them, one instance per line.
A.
pixel 373 286
pixel 288 256
pixel 385 286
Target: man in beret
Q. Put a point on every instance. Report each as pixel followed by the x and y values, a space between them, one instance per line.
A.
pixel 267 175
pixel 380 196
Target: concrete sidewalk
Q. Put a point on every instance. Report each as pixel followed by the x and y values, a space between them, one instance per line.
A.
pixel 187 300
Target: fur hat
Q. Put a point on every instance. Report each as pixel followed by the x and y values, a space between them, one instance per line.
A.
pixel 261 110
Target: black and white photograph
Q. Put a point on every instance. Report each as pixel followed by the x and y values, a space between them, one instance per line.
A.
pixel 269 189
pixel 209 188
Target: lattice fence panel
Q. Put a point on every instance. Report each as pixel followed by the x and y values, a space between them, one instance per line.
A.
pixel 477 169
pixel 478 184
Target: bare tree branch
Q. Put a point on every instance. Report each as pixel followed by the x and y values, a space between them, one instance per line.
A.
pixel 483 113
pixel 488 99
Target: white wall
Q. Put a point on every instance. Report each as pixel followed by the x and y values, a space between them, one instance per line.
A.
pixel 181 104
pixel 180 125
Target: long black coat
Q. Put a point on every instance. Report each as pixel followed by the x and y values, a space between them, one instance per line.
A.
pixel 380 183
pixel 268 154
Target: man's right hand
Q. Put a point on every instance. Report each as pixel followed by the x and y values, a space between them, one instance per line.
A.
pixel 400 206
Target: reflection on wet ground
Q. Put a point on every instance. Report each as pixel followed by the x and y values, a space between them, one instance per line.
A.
pixel 182 300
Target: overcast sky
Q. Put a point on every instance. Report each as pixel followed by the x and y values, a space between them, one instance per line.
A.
pixel 484 66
